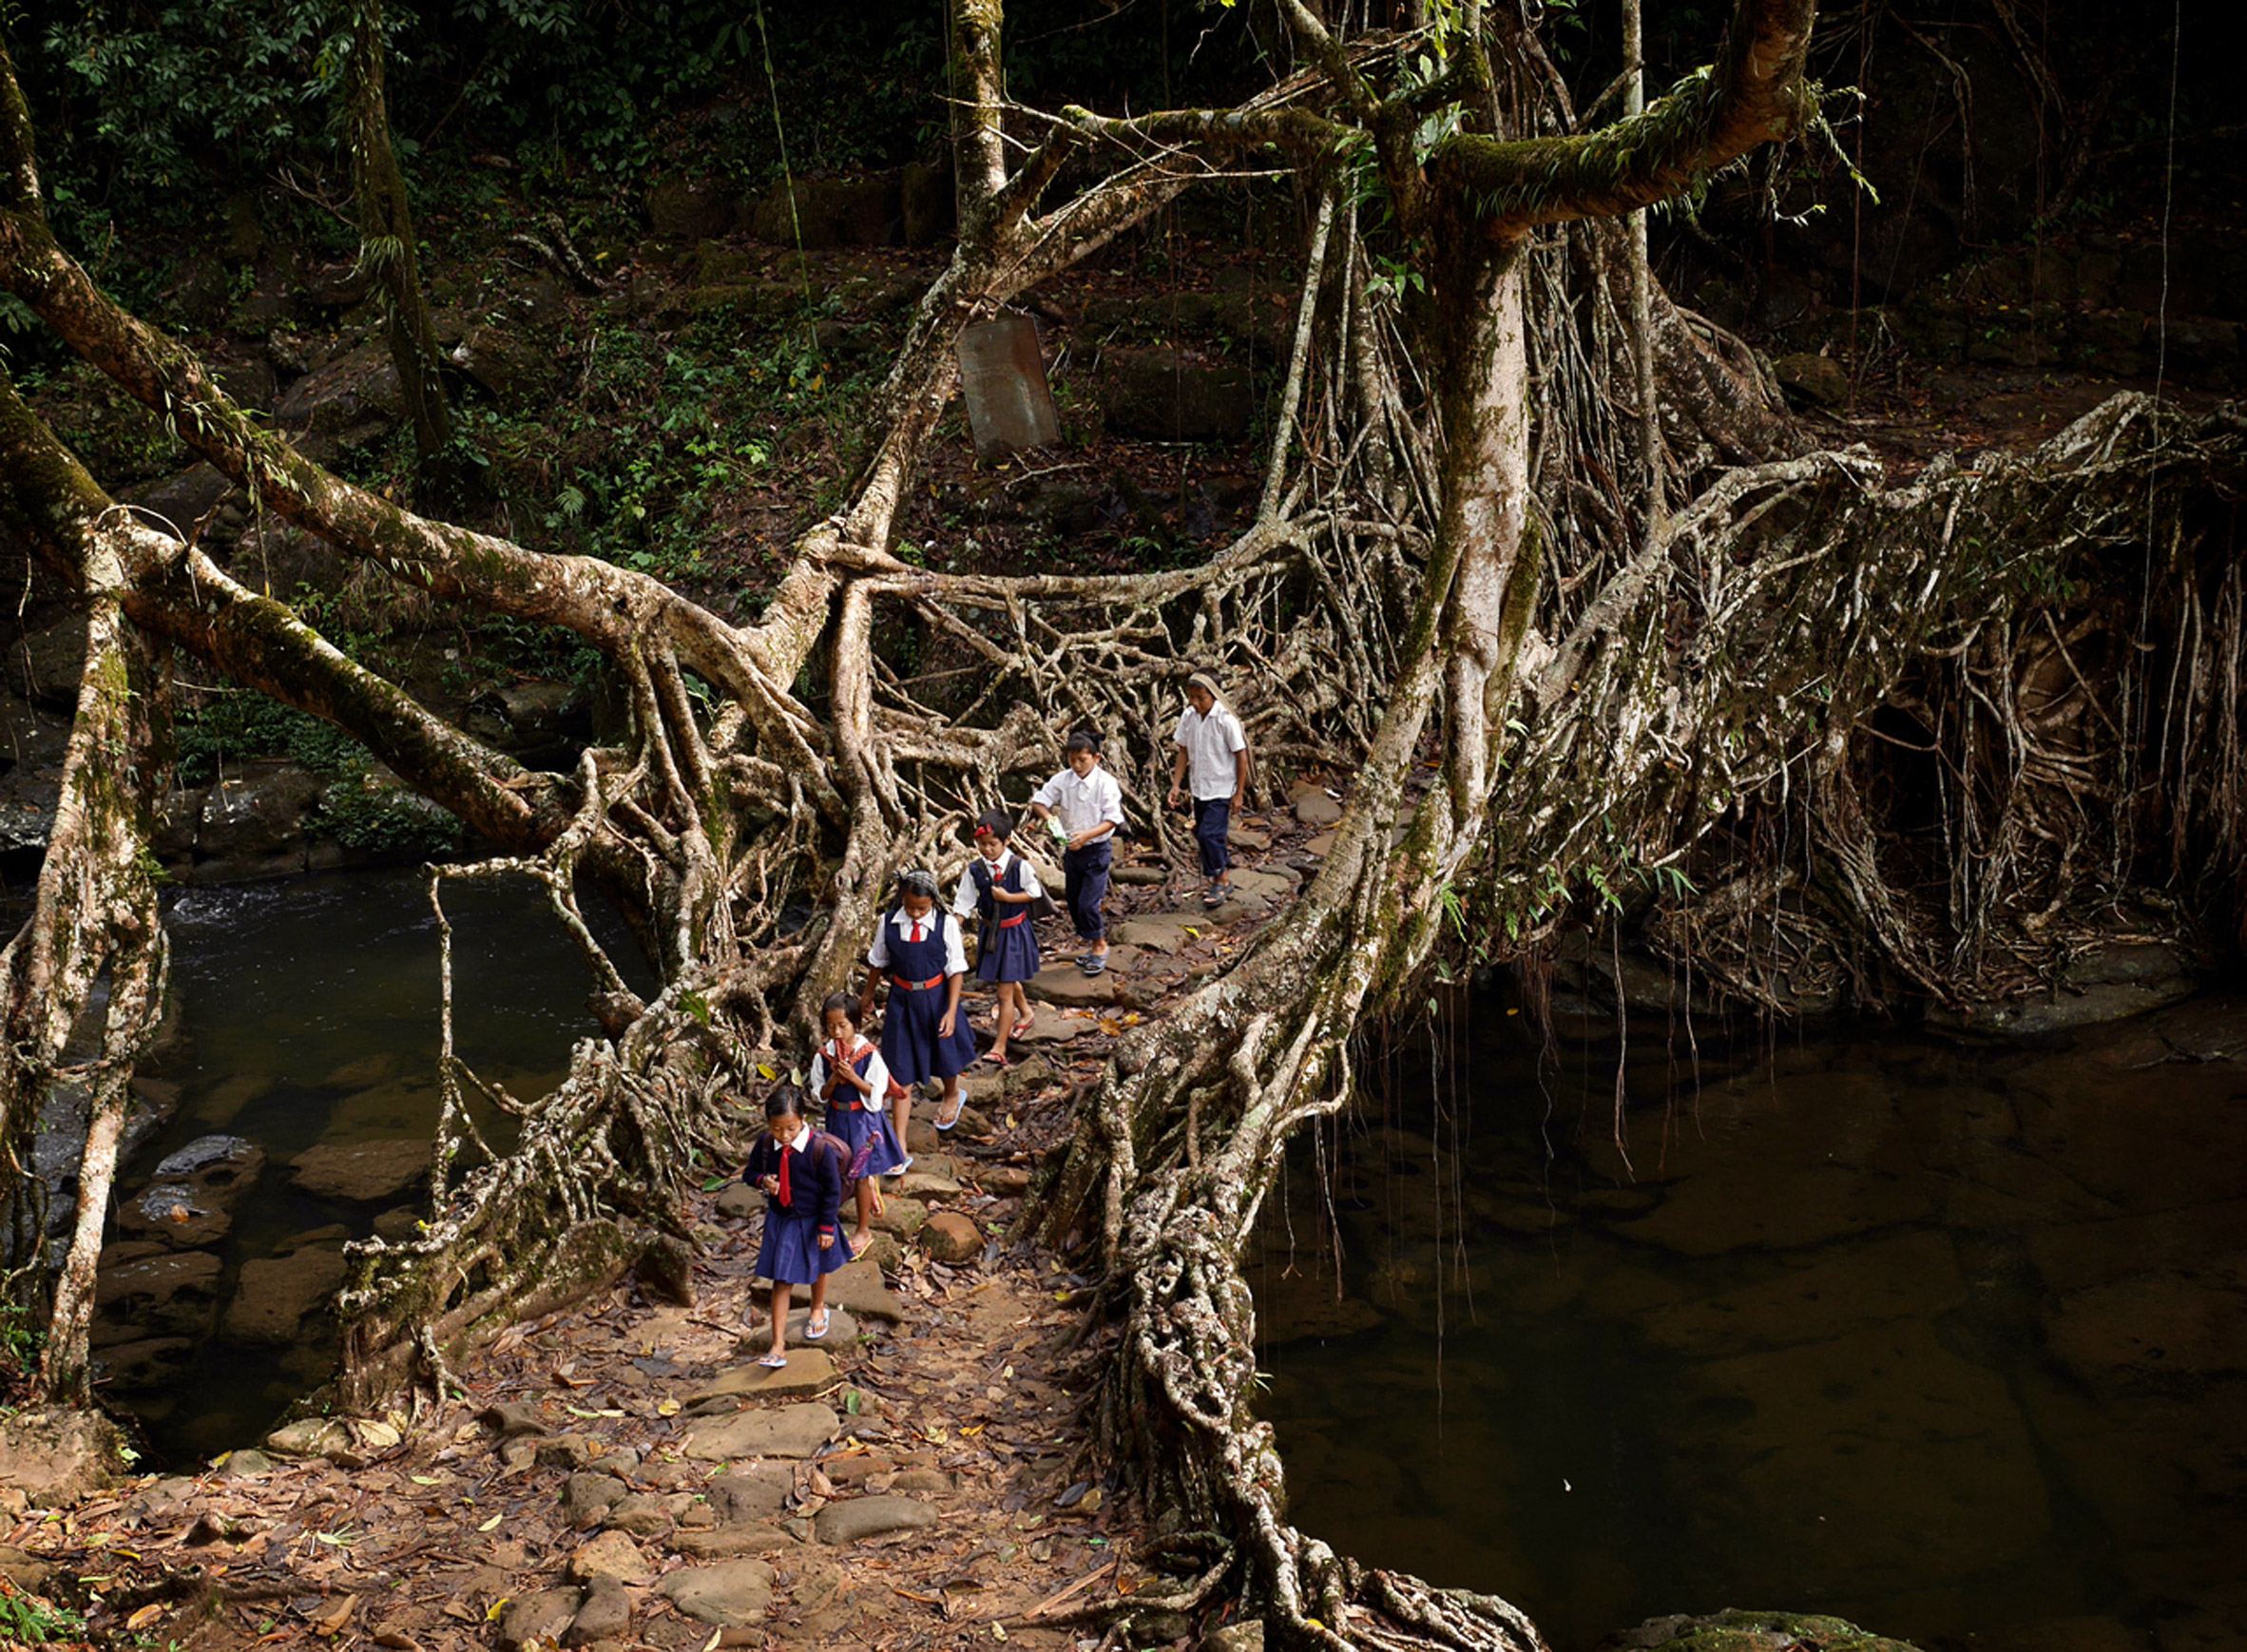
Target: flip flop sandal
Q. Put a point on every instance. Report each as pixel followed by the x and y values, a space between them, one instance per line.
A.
pixel 774 1360
pixel 957 1111
pixel 1094 964
pixel 815 1327
pixel 997 1059
pixel 1212 898
pixel 860 1246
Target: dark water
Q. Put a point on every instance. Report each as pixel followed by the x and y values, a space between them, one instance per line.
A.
pixel 311 1011
pixel 1948 1341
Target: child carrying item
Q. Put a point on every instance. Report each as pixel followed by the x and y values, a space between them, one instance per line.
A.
pixel 853 1083
pixel 802 1173
pixel 924 1035
pixel 998 887
pixel 1090 805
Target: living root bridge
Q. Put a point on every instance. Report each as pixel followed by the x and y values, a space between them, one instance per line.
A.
pixel 1809 591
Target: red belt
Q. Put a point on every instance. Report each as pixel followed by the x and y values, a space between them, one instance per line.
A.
pixel 903 985
pixel 1009 923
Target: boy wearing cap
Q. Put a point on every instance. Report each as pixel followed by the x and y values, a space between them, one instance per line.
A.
pixel 1211 765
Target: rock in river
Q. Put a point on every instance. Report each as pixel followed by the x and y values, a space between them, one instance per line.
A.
pixel 362 1171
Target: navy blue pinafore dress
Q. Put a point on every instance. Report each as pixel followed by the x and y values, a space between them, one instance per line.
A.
pixel 911 1048
pixel 1009 948
pixel 852 1118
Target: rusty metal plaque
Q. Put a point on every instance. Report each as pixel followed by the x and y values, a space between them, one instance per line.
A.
pixel 1009 406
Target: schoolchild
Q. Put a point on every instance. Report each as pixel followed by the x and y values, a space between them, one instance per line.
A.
pixel 1211 766
pixel 802 1173
pixel 924 1035
pixel 852 1084
pixel 1090 805
pixel 998 888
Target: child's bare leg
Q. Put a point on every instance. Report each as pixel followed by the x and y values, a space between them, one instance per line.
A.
pixel 948 1114
pixel 865 1219
pixel 818 1295
pixel 781 1292
pixel 901 1114
pixel 1002 1021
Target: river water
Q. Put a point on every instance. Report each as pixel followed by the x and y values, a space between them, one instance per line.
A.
pixel 311 1018
pixel 1947 1341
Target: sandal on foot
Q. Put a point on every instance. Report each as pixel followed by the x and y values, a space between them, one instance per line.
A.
pixel 1093 963
pixel 859 1244
pixel 957 1108
pixel 1213 898
pixel 774 1360
pixel 816 1326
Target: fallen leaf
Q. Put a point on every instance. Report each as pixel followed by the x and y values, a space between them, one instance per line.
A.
pixel 492 1612
pixel 425 1480
pixel 144 1617
pixel 491 1525
pixel 669 1409
pixel 332 1621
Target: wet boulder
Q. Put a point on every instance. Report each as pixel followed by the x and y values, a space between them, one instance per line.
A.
pixel 279 1294
pixel 56 1456
pixel 252 825
pixel 174 1295
pixel 364 1172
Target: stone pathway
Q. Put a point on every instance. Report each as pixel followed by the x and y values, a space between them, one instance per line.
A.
pixel 623 1474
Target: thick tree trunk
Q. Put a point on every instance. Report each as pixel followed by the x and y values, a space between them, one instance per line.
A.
pixel 387 249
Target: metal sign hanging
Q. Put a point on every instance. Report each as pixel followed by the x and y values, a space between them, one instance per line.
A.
pixel 1003 376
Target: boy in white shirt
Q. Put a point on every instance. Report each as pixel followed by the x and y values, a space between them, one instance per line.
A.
pixel 1090 805
pixel 1212 765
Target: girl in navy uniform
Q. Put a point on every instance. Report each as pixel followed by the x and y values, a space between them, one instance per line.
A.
pixel 998 888
pixel 802 1171
pixel 852 1084
pixel 924 1035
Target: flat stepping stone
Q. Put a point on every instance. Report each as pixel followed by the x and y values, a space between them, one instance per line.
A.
pixel 1064 985
pixel 858 1518
pixel 751 1493
pixel 1236 908
pixel 842 1330
pixel 1322 845
pixel 1051 1029
pixel 926 1184
pixel 737 1198
pixel 1142 876
pixel 731 1595
pixel 610 1555
pixel 807 1371
pixel 795 1430
pixel 900 1216
pixel 1248 837
pixel 859 1288
pixel 1271 885
pixel 1162 931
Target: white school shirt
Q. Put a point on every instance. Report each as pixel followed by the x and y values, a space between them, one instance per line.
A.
pixel 955 955
pixel 963 899
pixel 1081 804
pixel 1211 742
pixel 877 1074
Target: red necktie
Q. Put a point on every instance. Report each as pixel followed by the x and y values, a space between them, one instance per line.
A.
pixel 785 1201
pixel 916 931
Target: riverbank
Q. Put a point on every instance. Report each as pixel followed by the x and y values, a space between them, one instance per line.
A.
pixel 622 1473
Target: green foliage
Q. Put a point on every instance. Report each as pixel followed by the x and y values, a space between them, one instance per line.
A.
pixel 236 727
pixel 366 813
pixel 33 1620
